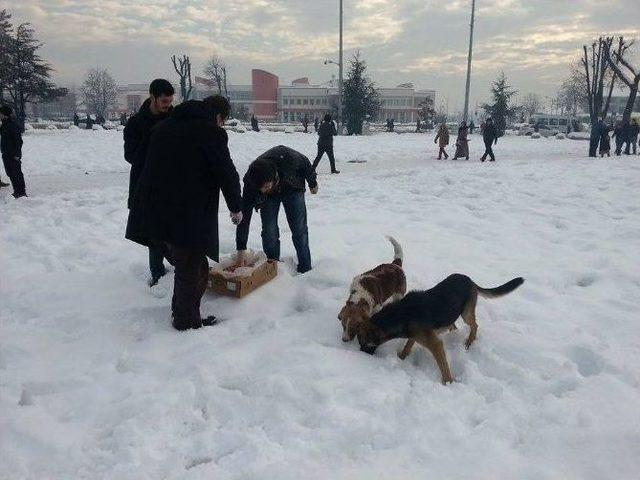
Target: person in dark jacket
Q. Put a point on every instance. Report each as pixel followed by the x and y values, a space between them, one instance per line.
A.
pixel 618 134
pixel 326 132
pixel 176 201
pixel 11 148
pixel 605 141
pixel 88 122
pixel 305 123
pixel 472 127
pixel 316 124
pixel 626 137
pixel 490 137
pixel 136 143
pixel 76 119
pixel 632 139
pixel 254 124
pixel 462 142
pixel 277 177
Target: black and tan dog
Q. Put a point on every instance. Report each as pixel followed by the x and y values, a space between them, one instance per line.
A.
pixel 421 315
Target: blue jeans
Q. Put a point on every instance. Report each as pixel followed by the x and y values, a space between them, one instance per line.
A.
pixel 296 211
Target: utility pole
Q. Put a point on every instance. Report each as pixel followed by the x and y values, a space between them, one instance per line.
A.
pixel 466 95
pixel 340 78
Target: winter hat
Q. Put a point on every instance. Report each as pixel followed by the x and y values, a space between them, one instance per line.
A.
pixel 259 173
pixel 327 118
pixel 6 110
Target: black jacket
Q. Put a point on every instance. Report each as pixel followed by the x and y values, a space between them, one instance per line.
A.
pixel 136 141
pixel 490 134
pixel 293 169
pixel 326 132
pixel 11 141
pixel 187 164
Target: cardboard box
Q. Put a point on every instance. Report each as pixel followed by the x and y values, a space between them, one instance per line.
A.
pixel 242 286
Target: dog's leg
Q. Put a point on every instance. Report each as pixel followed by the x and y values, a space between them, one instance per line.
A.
pixel 436 347
pixel 469 317
pixel 406 350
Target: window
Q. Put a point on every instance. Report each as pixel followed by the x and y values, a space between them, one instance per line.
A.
pixel 311 101
pixel 285 101
pixel 305 102
pixel 553 122
pixel 563 122
pixel 298 101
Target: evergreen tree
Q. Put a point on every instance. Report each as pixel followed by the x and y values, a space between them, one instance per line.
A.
pixel 5 38
pixel 501 110
pixel 27 77
pixel 360 96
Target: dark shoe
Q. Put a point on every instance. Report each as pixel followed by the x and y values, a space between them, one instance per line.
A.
pixel 153 281
pixel 19 195
pixel 303 269
pixel 2 184
pixel 182 326
pixel 492 160
pixel 335 171
pixel 210 321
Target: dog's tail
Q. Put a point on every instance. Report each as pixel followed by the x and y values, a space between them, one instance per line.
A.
pixel 398 255
pixel 502 290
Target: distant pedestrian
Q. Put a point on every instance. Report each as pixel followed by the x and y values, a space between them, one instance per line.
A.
pixel 605 141
pixel 305 123
pixel 472 127
pixel 632 137
pixel 254 124
pixel 11 150
pixel 316 124
pixel 418 125
pixel 326 132
pixel 618 134
pixel 442 139
pixel 76 119
pixel 88 122
pixel 490 137
pixel 123 119
pixel 462 142
pixel 137 135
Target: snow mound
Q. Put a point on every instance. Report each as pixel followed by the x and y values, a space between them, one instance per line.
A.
pixel 560 136
pixel 97 127
pixel 536 135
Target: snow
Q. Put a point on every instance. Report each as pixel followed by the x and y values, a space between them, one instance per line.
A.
pixel 94 383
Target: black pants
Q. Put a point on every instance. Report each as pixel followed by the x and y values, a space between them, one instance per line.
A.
pixel 13 167
pixel 321 151
pixel 488 150
pixel 190 283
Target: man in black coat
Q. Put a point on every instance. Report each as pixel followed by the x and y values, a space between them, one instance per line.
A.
pixel 136 143
pixel 490 137
pixel 277 177
pixel 326 132
pixel 11 148
pixel 176 201
pixel 634 131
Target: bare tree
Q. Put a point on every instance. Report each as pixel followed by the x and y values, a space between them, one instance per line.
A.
pixel 216 71
pixel 573 94
pixel 182 66
pixel 99 92
pixel 531 103
pixel 5 41
pixel 599 81
pixel 631 78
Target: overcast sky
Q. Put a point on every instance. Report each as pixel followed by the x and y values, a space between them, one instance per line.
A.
pixel 419 41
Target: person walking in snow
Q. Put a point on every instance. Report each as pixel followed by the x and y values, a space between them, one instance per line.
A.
pixel 188 164
pixel 278 177
pixel 605 141
pixel 634 130
pixel 254 124
pixel 442 139
pixel 462 143
pixel 305 123
pixel 490 137
pixel 11 150
pixel 137 134
pixel 326 132
pixel 618 134
pixel 316 124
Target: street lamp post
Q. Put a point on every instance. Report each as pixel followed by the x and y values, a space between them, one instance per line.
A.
pixel 340 77
pixel 466 95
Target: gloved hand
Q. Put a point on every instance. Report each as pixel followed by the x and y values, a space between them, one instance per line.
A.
pixel 236 218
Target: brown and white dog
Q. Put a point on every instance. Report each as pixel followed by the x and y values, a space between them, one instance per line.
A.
pixel 371 291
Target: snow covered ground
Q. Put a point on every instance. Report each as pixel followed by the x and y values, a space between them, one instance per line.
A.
pixel 94 383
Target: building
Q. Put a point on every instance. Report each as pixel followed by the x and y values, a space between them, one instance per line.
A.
pixel 618 104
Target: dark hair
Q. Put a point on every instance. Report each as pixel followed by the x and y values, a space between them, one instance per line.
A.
pixel 327 118
pixel 6 110
pixel 160 87
pixel 259 173
pixel 219 104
